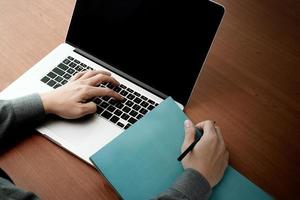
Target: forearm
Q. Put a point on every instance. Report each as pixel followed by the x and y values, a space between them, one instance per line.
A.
pixel 191 185
pixel 20 112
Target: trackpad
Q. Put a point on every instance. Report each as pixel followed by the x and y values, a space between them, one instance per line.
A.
pixel 82 137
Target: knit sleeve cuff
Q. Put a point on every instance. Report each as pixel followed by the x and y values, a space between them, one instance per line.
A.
pixel 28 109
pixel 192 185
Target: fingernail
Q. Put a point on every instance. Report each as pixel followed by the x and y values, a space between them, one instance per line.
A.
pixel 188 123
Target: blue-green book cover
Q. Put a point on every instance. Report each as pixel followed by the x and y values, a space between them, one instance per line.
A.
pixel 142 161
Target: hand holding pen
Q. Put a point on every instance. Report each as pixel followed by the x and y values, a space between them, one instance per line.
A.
pixel 209 155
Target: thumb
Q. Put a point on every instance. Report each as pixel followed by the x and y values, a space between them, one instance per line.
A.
pixel 189 134
pixel 90 108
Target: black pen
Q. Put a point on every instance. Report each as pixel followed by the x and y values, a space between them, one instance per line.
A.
pixel 198 136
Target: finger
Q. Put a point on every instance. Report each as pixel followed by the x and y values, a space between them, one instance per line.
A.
pixel 90 74
pixel 89 108
pixel 98 91
pixel 219 134
pixel 207 127
pixel 201 125
pixel 189 136
pixel 101 78
pixel 226 159
pixel 77 76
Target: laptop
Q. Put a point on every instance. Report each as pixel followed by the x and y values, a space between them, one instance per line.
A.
pixel 154 48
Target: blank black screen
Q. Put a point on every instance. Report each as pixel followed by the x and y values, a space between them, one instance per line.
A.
pixel 162 43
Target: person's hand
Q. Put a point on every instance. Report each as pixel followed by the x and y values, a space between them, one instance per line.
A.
pixel 209 156
pixel 73 99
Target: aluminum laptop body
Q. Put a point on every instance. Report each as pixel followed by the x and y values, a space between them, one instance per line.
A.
pixel 154 48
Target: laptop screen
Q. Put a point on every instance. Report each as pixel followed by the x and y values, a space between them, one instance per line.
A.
pixel 162 43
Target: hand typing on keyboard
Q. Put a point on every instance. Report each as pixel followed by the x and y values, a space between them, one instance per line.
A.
pixel 83 89
pixel 72 100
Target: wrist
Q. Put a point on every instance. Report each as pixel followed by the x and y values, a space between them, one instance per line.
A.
pixel 47 102
pixel 203 175
pixel 200 170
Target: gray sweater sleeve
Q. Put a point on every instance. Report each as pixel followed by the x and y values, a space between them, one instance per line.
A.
pixel 21 112
pixel 18 113
pixel 8 191
pixel 191 185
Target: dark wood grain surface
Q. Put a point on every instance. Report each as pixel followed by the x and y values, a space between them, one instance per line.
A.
pixel 249 85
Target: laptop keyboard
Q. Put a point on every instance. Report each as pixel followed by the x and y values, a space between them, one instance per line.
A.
pixel 123 114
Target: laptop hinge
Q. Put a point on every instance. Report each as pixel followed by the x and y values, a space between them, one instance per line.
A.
pixel 120 73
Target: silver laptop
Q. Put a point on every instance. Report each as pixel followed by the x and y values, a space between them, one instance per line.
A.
pixel 154 48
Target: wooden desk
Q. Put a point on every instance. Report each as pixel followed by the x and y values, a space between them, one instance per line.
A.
pixel 250 86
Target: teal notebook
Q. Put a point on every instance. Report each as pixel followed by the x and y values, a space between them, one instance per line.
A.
pixel 142 161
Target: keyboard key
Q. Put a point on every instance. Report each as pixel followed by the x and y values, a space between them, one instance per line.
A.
pixel 45 79
pixel 129 103
pixel 127 126
pixel 73 65
pixel 126 109
pixel 66 61
pixel 58 71
pixel 51 83
pixel 111 108
pixel 137 100
pixel 112 101
pixel 63 67
pixel 124 93
pixel 79 68
pixel 156 104
pixel 133 113
pixel 110 86
pixel 97 101
pixel 117 89
pixel 125 116
pixel 114 119
pixel 130 96
pixel 56 85
pixel 144 104
pixel 89 68
pixel 58 79
pixel 67 76
pixel 106 98
pixel 83 65
pixel 104 104
pixel 51 75
pixel 120 124
pixel 150 107
pixel 144 98
pixel 123 86
pixel 136 107
pixel 151 102
pixel 118 112
pixel 119 105
pixel 99 110
pixel 139 116
pixel 132 120
pixel 137 94
pixel 106 114
pixel 129 90
pixel 70 58
pixel 77 61
pixel 143 111
pixel 64 82
pixel 70 71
